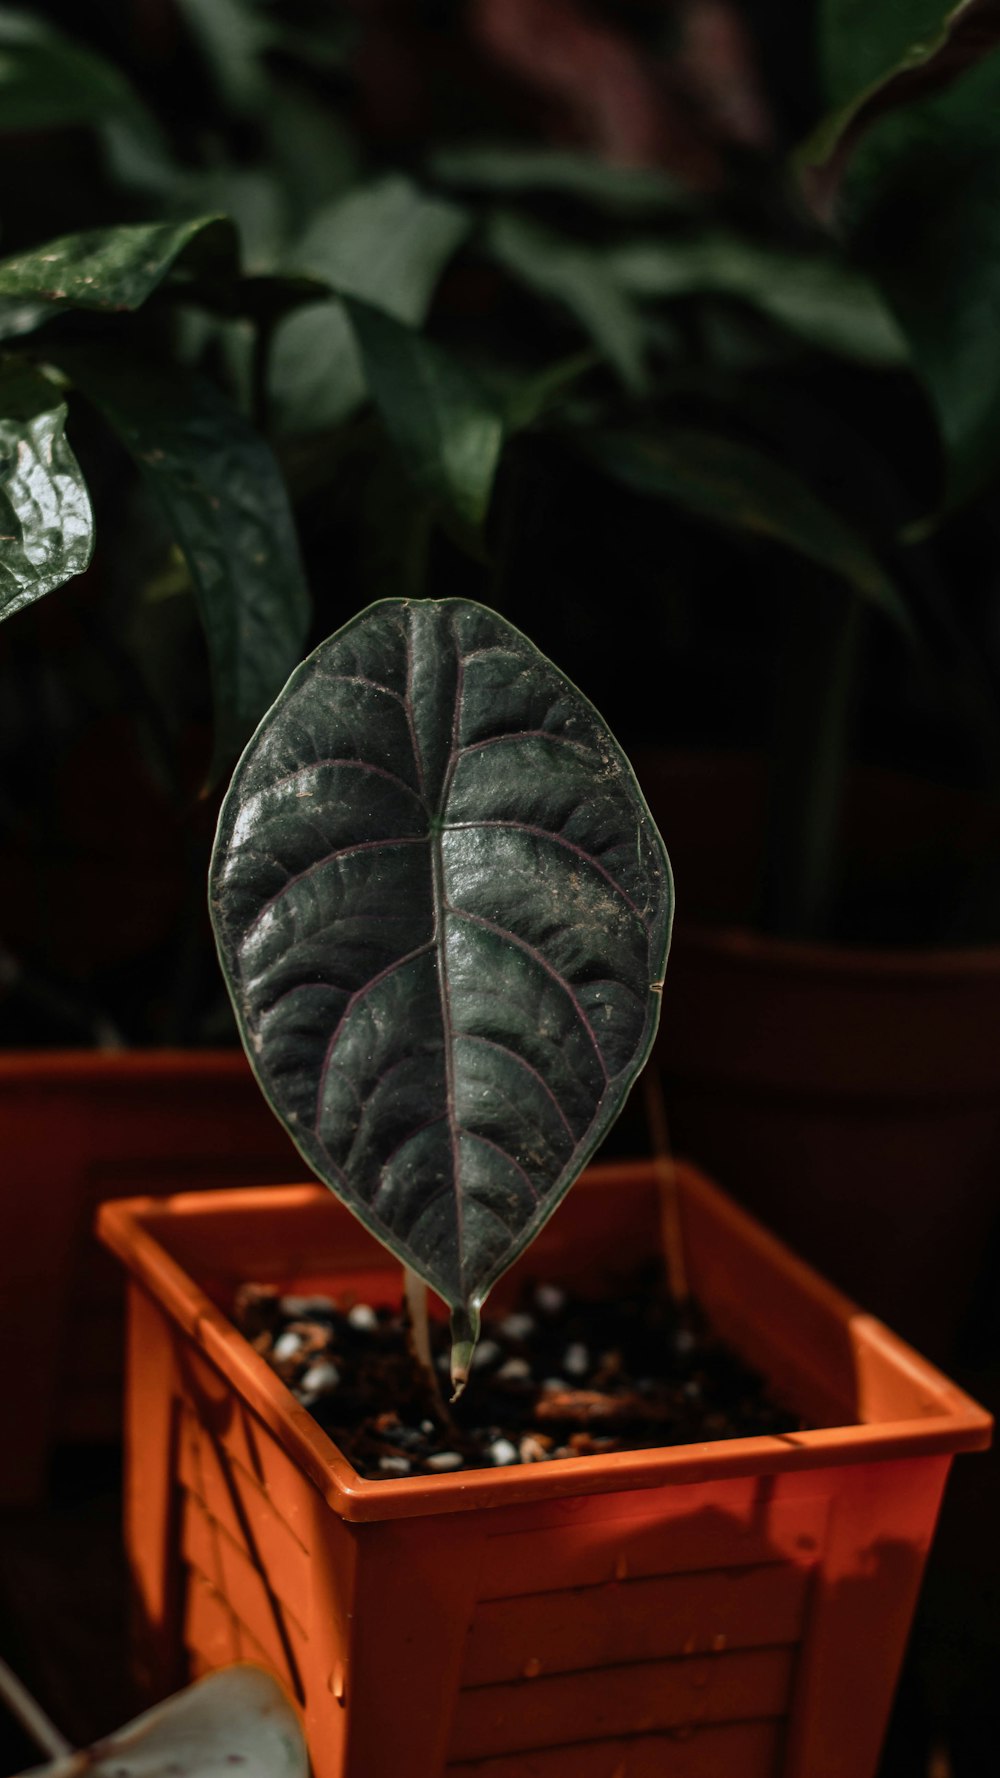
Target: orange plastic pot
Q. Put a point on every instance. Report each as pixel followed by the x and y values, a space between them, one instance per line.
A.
pixel 736 1608
pixel 77 1127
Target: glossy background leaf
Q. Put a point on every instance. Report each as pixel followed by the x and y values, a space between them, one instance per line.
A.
pixel 443 912
pixel 113 268
pixel 46 523
pixel 224 499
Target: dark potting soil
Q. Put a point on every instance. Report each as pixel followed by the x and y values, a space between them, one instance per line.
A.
pixel 559 1377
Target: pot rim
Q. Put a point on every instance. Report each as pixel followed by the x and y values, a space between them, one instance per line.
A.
pixel 954 1422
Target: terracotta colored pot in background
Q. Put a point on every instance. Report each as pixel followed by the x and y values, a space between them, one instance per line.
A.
pixel 739 1607
pixel 77 1127
pixel 849 1094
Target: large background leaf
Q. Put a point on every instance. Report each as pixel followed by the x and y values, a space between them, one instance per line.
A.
pixel 46 525
pixel 47 81
pixel 443 913
pixel 866 49
pixel 734 484
pixel 225 502
pixel 575 276
pixel 446 429
pixel 386 243
pixel 820 299
pixel 920 205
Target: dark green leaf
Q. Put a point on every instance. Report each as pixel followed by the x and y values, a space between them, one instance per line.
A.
pixel 48 82
pixel 115 268
pixel 447 431
pixel 819 299
pixel 920 205
pixel 443 911
pixel 496 168
pixel 46 525
pixel 525 399
pixel 387 244
pixel 575 276
pixel 231 37
pixel 864 48
pixel 226 505
pixel 736 485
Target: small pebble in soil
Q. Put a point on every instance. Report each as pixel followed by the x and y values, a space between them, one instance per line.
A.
pixel 576 1360
pixel 487 1353
pixel 516 1370
pixel 550 1299
pixel 442 1460
pixel 319 1377
pixel 395 1465
pixel 628 1373
pixel 303 1308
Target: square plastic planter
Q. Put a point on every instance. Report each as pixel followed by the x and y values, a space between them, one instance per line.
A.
pixel 78 1126
pixel 735 1608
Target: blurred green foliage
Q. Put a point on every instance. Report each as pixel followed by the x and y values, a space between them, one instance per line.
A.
pixel 651 408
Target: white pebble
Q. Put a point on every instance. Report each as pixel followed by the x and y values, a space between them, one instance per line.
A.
pixel 516 1370
pixel 394 1465
pixel 299 1308
pixel 550 1298
pixel 320 1376
pixel 363 1318
pixel 554 1385
pixel 576 1360
pixel 427 1427
pixel 684 1341
pixel 517 1326
pixel 286 1346
pixel 503 1452
pixel 445 1460
pixel 532 1451
pixel 487 1352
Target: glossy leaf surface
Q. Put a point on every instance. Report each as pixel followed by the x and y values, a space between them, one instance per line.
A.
pixel 113 268
pixel 224 499
pixel 447 431
pixel 734 484
pixel 46 523
pixel 443 912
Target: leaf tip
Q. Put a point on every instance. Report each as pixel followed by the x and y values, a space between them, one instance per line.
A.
pixel 464 1338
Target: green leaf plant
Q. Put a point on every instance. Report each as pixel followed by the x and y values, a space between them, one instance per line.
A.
pixel 212 474
pixel 442 910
